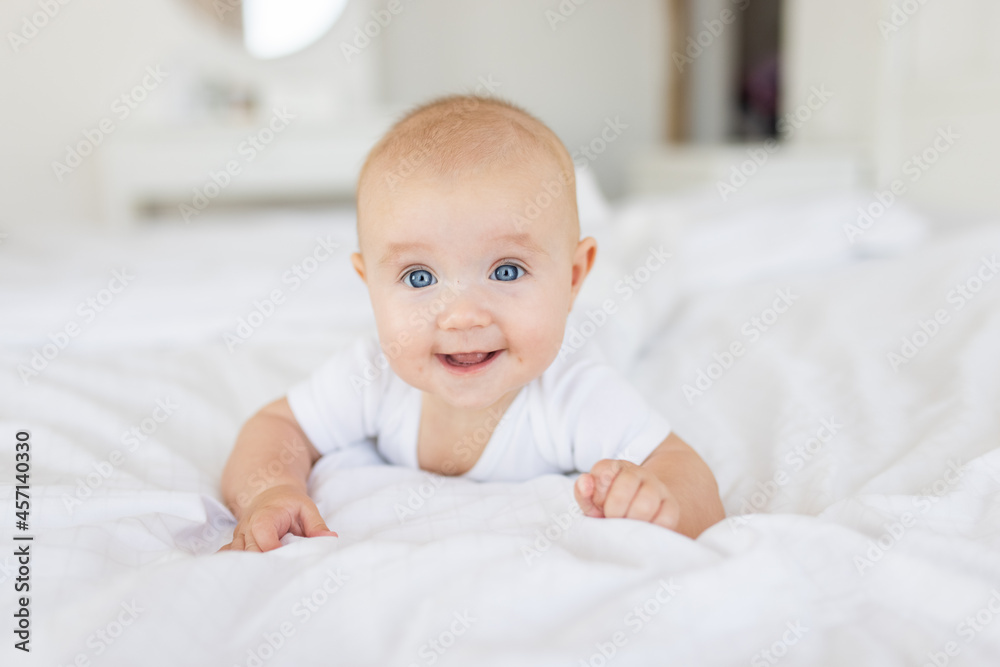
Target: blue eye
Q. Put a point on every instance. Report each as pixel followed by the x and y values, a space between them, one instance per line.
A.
pixel 508 272
pixel 420 278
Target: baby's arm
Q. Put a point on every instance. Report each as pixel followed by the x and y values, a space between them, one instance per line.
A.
pixel 673 488
pixel 264 482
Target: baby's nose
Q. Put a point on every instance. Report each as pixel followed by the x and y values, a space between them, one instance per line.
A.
pixel 463 309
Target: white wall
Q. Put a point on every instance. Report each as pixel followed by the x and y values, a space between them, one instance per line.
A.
pixel 64 81
pixel 713 73
pixel 943 71
pixel 895 88
pixel 836 45
pixel 608 59
pixel 892 93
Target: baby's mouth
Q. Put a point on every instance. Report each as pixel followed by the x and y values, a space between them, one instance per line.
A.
pixel 467 360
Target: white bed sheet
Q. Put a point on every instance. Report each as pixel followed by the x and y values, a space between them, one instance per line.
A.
pixel 470 577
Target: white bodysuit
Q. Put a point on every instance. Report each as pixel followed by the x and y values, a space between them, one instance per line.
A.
pixel 576 413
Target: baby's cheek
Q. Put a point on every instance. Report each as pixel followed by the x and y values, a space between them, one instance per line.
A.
pixel 392 318
pixel 394 335
pixel 540 332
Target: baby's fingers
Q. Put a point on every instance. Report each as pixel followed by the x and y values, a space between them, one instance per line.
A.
pixel 312 522
pixel 624 489
pixel 583 489
pixel 604 474
pixel 236 544
pixel 669 515
pixel 646 504
pixel 263 536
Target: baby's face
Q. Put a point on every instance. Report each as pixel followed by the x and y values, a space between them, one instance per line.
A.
pixel 471 306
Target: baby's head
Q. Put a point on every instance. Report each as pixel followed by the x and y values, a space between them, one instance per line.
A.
pixel 470 246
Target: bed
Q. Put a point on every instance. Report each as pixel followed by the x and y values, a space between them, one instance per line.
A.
pixel 843 387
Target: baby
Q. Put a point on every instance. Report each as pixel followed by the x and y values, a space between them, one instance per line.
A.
pixel 471 292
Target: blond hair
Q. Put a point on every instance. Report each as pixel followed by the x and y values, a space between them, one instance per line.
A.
pixel 460 135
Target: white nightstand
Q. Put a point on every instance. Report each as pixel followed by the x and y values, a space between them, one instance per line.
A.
pixel 746 171
pixel 272 162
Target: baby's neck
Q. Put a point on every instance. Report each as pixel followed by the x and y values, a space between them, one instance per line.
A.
pixel 451 440
pixel 464 421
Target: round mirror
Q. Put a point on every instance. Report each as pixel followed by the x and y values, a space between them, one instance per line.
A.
pixel 274 28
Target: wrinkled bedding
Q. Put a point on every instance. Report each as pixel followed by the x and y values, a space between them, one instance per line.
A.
pixel 854 435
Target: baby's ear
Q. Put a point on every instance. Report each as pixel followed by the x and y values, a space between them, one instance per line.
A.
pixel 583 261
pixel 359 265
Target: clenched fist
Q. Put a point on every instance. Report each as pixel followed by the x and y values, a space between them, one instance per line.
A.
pixel 617 489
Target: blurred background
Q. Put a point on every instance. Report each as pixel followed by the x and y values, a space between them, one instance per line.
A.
pixel 116 112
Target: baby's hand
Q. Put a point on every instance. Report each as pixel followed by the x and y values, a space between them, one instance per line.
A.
pixel 272 514
pixel 617 489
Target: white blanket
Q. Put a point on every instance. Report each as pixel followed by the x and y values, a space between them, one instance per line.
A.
pixel 862 498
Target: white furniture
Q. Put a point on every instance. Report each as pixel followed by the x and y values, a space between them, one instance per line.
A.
pixel 171 168
pixel 741 172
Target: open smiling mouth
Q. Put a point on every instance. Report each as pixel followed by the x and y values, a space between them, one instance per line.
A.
pixel 466 362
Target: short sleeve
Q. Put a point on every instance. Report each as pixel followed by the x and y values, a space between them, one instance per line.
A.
pixel 596 414
pixel 338 404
